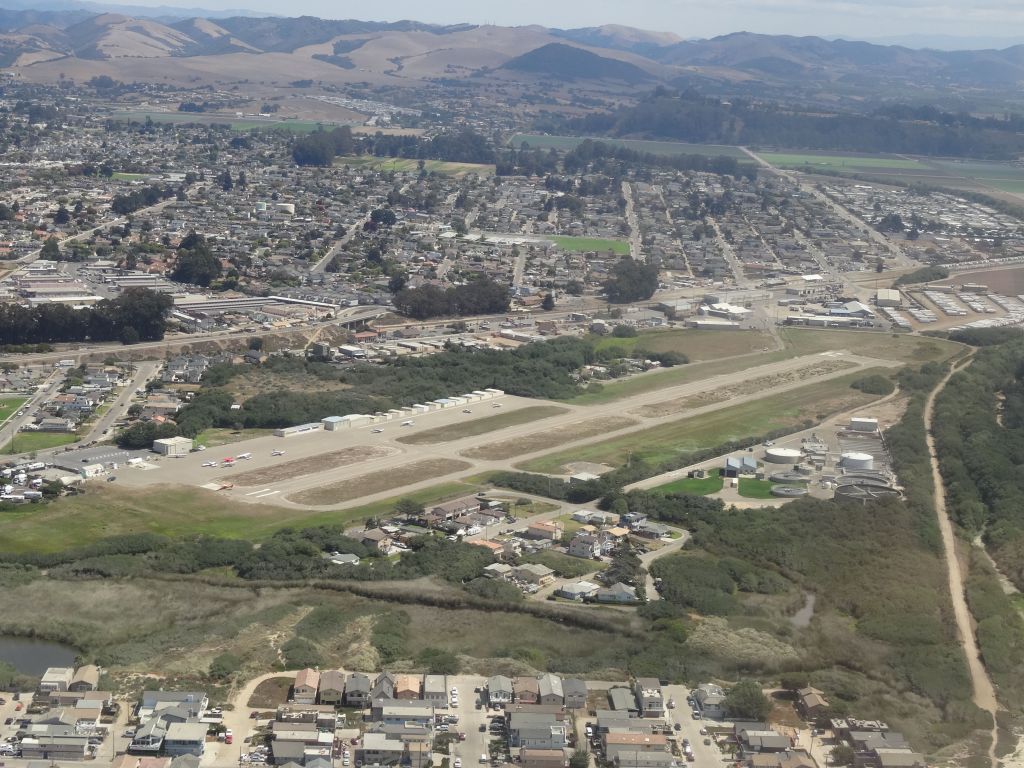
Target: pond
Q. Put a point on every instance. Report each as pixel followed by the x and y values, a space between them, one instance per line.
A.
pixel 32 656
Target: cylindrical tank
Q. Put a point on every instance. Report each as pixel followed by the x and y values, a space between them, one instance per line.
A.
pixel 855 460
pixel 775 455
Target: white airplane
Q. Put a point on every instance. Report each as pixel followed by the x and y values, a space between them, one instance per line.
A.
pixel 277 453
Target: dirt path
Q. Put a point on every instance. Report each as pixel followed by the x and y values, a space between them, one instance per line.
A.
pixel 984 693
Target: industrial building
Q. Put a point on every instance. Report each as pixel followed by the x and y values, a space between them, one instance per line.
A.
pixel 173 446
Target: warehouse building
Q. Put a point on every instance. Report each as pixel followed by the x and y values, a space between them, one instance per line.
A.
pixel 173 446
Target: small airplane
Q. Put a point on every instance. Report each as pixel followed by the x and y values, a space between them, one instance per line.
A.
pixel 209 463
pixel 277 453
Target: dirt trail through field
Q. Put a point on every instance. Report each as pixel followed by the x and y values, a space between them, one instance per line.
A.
pixel 984 693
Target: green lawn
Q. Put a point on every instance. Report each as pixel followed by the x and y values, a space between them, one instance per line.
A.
pixel 120 176
pixel 839 162
pixel 565 143
pixel 106 510
pixel 790 411
pixel 9 406
pixel 472 427
pixel 884 346
pixel 586 244
pixel 26 442
pixel 755 489
pixel 696 345
pixel 566 566
pixel 407 165
pixel 698 486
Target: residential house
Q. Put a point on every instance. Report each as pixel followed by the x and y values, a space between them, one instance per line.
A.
pixel 332 687
pixel 54 747
pixel 619 593
pixel 542 758
pixel 56 679
pixel 403 712
pixel 585 545
pixel 534 573
pixel 811 704
pixel 545 531
pixel 614 743
pixel 579 590
pixel 377 539
pixel 527 690
pixel 149 737
pixel 536 730
pixel 381 749
pixel 549 688
pixel 86 678
pixel 192 703
pixel 759 738
pixel 623 702
pixel 631 758
pixel 632 519
pixel 408 687
pixel 493 547
pixel 575 691
pixel 185 739
pixel 307 682
pixel 791 758
pixel 344 558
pixel 500 690
pixel 649 699
pixel 435 690
pixel 383 687
pixel 710 699
pixel 501 571
pixel 357 690
pixel 652 530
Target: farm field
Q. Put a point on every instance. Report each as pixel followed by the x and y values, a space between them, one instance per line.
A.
pixel 482 426
pixel 840 162
pixel 790 410
pixel 698 486
pixel 406 165
pixel 564 143
pixel 38 441
pixel 237 124
pixel 10 405
pixel 586 244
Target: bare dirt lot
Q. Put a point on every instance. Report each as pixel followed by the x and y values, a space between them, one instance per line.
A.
pixel 1008 282
pixel 378 482
pixel 540 440
pixel 290 469
pixel 759 384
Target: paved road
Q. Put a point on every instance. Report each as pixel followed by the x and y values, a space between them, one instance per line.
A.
pixel 46 390
pixel 984 693
pixel 635 249
pixel 143 374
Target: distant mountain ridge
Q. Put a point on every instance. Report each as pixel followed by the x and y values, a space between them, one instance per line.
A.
pixel 43 44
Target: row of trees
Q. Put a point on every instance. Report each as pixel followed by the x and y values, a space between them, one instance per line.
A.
pixel 479 297
pixel 135 200
pixel 135 315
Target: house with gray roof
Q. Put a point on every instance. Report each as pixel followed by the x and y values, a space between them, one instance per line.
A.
pixel 500 690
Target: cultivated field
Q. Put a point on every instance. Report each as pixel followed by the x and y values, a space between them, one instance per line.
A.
pixel 790 410
pixel 565 143
pixel 588 244
pixel 236 123
pixel 311 466
pixel 406 165
pixel 475 427
pixel 537 441
pixel 376 482
pixel 840 162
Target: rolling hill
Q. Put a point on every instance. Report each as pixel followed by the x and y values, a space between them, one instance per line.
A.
pixel 567 62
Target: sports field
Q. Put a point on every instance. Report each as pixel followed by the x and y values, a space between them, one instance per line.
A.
pixel 566 143
pixel 408 165
pixel 586 244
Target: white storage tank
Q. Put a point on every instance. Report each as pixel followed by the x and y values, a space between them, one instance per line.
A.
pixel 775 455
pixel 856 460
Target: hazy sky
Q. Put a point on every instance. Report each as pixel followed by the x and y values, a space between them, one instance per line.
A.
pixel 688 18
